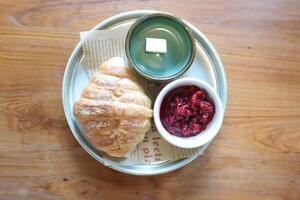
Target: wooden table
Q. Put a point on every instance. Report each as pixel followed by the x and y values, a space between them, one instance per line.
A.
pixel 255 156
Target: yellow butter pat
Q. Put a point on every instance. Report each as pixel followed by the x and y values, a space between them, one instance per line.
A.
pixel 156 45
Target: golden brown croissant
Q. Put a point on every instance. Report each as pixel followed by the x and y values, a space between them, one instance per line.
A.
pixel 113 109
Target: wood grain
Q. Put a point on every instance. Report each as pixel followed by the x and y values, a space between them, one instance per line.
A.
pixel 255 156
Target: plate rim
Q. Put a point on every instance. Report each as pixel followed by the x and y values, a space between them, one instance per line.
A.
pixel 68 76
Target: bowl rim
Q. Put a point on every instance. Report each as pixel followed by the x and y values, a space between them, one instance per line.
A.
pixel 169 16
pixel 206 135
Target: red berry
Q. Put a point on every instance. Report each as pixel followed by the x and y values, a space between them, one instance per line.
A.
pixel 205 118
pixel 185 131
pixel 206 106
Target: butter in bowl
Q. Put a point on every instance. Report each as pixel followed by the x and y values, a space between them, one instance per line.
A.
pixel 160 47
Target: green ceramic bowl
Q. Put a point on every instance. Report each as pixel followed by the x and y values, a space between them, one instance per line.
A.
pixel 156 66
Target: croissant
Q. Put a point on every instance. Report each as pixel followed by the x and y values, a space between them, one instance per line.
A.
pixel 113 110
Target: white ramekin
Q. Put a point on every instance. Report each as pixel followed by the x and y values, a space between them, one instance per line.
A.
pixel 212 128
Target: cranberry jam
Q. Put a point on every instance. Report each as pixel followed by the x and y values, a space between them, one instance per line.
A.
pixel 185 111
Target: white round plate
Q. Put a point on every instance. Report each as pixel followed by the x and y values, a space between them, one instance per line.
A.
pixel 207 66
